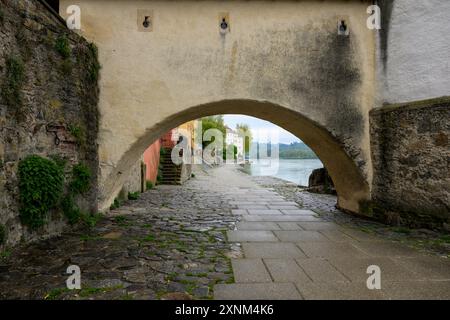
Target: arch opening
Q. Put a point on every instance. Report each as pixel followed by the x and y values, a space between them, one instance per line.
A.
pixel 351 186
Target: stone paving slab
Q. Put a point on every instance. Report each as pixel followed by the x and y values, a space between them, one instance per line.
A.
pixel 295 236
pixel 416 290
pixel 272 250
pixel 238 212
pixel 336 235
pixel 318 226
pixel 256 291
pixel 427 267
pixel 286 270
pixel 257 226
pixel 360 235
pixel 251 207
pixel 385 248
pixel 250 271
pixel 281 218
pixel 288 226
pixel 356 269
pixel 282 207
pixel 251 235
pixel 264 212
pixel 330 249
pixel 298 211
pixel 248 203
pixel 337 291
pixel 284 203
pixel 320 270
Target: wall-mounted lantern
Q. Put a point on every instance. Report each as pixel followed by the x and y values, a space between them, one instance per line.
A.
pixel 224 22
pixel 343 29
pixel 145 20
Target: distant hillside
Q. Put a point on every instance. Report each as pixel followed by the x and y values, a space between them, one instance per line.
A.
pixel 296 150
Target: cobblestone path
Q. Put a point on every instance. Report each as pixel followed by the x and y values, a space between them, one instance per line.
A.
pixel 168 244
pixel 222 235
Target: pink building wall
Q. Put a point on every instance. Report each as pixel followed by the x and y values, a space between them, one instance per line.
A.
pixel 151 160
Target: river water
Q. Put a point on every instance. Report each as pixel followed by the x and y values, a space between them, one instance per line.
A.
pixel 294 170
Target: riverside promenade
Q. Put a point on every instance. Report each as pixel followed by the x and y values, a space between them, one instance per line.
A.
pixel 223 235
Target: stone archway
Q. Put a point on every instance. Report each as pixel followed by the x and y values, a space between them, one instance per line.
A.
pixel 351 185
pixel 281 61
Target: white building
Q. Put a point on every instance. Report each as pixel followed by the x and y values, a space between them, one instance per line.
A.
pixel 233 138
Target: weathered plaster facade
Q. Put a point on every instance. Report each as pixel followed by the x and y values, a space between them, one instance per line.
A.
pixel 415 50
pixel 280 61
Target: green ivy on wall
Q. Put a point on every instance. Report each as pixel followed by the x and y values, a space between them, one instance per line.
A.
pixel 63 47
pixel 81 179
pixel 41 183
pixel 41 186
pixel 80 183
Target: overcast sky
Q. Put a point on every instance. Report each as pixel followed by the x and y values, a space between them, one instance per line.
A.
pixel 263 128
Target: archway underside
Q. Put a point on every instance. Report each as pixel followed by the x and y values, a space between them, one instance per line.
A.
pixel 351 186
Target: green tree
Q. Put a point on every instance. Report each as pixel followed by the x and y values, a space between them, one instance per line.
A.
pixel 245 131
pixel 213 122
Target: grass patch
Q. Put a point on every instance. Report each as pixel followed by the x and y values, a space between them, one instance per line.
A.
pixel 401 230
pixel 78 133
pixel 120 219
pixel 149 185
pixel 87 237
pixel 116 204
pixel 149 238
pixel 91 219
pixel 62 46
pixel 133 195
pixel 5 254
pixel 54 294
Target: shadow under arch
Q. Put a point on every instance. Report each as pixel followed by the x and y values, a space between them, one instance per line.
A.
pixel 350 184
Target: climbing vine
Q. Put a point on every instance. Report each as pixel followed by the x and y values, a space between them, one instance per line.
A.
pixel 94 66
pixel 80 183
pixel 78 134
pixel 62 46
pixel 41 183
pixel 81 179
pixel 41 186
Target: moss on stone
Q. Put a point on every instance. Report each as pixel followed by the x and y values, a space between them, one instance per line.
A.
pixel 62 46
pixel 14 79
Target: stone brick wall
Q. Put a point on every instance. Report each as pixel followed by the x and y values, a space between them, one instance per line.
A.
pixel 411 159
pixel 135 182
pixel 55 113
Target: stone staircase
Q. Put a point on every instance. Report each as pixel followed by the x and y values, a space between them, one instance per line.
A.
pixel 171 173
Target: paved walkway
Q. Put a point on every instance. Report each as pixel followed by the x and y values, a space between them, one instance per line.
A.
pixel 291 253
pixel 176 242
